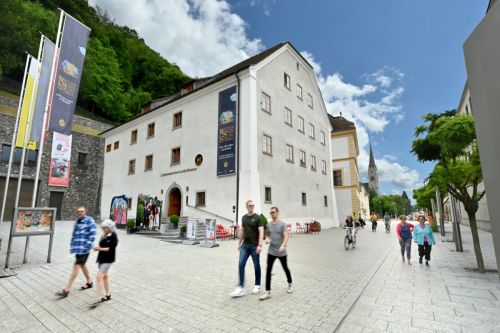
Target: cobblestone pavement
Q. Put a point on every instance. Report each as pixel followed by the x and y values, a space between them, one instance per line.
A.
pixel 163 287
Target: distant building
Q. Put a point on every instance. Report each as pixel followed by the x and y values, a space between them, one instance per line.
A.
pixel 372 173
pixel 364 199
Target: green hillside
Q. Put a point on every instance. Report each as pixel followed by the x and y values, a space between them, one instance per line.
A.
pixel 120 73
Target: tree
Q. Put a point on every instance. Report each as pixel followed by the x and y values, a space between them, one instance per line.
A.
pixel 458 169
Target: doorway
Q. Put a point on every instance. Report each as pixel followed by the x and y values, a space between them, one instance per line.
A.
pixel 55 201
pixel 24 195
pixel 174 202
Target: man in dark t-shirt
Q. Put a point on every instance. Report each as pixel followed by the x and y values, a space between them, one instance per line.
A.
pixel 249 244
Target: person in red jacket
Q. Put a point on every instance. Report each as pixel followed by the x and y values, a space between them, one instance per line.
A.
pixel 404 232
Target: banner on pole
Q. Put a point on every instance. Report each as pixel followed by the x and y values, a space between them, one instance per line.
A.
pixel 226 141
pixel 68 75
pixel 60 160
pixel 25 106
pixel 42 91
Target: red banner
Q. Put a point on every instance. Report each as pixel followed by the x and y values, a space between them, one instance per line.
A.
pixel 60 160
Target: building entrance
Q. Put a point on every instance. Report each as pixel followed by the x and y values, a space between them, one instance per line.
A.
pixel 174 202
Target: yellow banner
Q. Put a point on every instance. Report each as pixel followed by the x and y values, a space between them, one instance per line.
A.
pixel 25 108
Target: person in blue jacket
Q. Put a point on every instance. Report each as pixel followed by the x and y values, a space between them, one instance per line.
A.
pixel 425 238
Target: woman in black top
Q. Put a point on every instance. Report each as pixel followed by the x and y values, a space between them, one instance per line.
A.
pixel 107 252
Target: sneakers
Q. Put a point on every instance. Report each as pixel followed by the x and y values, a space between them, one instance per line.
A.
pixel 290 288
pixel 426 263
pixel 256 290
pixel 265 295
pixel 420 260
pixel 238 292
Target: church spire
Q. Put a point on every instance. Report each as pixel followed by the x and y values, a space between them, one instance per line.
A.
pixel 372 159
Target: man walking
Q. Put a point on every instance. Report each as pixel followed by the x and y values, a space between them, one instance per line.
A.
pixel 277 233
pixel 249 244
pixel 82 240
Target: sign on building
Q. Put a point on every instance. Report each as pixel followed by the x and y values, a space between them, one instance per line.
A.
pixel 60 160
pixel 226 142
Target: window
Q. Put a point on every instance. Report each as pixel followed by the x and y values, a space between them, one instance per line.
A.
pixel 289 153
pixel 267 144
pixel 108 148
pixel 31 157
pixel 304 199
pixel 310 100
pixel 286 81
pixel 323 167
pixel 131 166
pixel 176 156
pixel 301 124
pixel 6 154
pixel 288 116
pixel 302 156
pixel 129 203
pixel 337 177
pixel 200 199
pixel 322 138
pixel 133 137
pixel 116 145
pixel 82 159
pixel 267 194
pixel 151 130
pixel 299 91
pixel 265 102
pixel 311 131
pixel 149 163
pixel 313 163
pixel 177 120
pixel 325 200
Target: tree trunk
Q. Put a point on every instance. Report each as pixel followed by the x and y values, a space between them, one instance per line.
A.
pixel 475 240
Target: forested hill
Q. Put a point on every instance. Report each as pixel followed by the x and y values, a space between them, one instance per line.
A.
pixel 120 73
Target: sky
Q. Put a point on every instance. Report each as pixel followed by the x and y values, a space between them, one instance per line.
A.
pixel 383 64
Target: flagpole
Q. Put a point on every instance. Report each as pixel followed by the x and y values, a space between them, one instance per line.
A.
pixel 48 104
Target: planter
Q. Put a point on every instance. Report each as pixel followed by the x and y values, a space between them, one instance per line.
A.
pixel 163 227
pixel 174 225
pixel 182 235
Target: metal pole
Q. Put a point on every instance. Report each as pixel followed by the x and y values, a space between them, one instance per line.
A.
pixel 238 103
pixel 13 144
pixel 9 246
pixel 26 246
pixel 49 254
pixel 440 210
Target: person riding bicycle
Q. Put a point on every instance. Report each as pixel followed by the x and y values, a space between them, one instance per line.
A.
pixel 373 219
pixel 387 220
pixel 352 226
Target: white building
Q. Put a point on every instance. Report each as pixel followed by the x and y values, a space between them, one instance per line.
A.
pixel 172 151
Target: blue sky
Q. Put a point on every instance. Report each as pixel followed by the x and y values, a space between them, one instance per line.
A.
pixel 381 63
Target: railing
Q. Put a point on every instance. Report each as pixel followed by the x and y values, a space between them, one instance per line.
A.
pixel 212 214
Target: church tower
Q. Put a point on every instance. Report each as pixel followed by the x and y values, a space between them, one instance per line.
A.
pixel 372 173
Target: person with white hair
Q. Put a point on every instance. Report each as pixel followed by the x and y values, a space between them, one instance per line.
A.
pixel 105 258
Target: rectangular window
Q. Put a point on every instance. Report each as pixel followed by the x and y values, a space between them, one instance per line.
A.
pixel 299 91
pixel 108 148
pixel 200 199
pixel 337 177
pixel 288 116
pixel 149 163
pixel 176 156
pixel 313 163
pixel 31 157
pixel 116 145
pixel 6 154
pixel 133 137
pixel 177 120
pixel 325 200
pixel 289 153
pixel 322 138
pixel 267 194
pixel 302 156
pixel 131 166
pixel 267 144
pixel 151 130
pixel 286 81
pixel 304 199
pixel 310 100
pixel 323 167
pixel 311 131
pixel 265 102
pixel 82 159
pixel 129 203
pixel 301 124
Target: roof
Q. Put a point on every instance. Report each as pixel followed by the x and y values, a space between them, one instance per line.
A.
pixel 372 158
pixel 222 75
pixel 340 123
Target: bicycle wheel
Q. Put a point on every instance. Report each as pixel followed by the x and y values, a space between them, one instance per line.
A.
pixel 346 243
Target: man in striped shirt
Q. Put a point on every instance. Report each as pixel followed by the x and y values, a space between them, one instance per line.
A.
pixel 82 241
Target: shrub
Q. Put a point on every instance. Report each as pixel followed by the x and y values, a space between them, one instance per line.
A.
pixel 130 224
pixel 264 221
pixel 318 224
pixel 174 219
pixel 184 228
pixel 139 215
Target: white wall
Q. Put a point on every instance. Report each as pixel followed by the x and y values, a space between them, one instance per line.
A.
pixel 344 203
pixel 340 148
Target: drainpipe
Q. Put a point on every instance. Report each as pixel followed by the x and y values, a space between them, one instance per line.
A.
pixel 237 148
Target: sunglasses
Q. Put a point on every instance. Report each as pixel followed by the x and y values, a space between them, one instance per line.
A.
pixel 251 205
pixel 272 213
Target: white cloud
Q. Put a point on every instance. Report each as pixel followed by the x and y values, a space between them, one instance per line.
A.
pixel 203 37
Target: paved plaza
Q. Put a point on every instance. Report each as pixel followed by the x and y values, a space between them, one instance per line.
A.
pixel 163 287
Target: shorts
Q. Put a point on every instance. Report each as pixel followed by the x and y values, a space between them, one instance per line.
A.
pixel 81 259
pixel 104 267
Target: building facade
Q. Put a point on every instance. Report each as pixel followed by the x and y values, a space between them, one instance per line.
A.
pixel 284 156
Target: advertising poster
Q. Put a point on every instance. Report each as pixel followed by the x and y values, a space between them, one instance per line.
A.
pixel 60 160
pixel 119 208
pixel 33 221
pixel 226 136
pixel 25 107
pixel 210 229
pixel 191 228
pixel 68 75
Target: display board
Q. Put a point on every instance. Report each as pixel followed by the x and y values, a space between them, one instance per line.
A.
pixel 33 221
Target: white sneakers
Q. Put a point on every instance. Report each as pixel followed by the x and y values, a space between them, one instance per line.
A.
pixel 238 292
pixel 265 295
pixel 290 288
pixel 256 290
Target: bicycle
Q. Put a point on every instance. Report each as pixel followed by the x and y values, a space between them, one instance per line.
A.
pixel 374 225
pixel 350 239
pixel 387 227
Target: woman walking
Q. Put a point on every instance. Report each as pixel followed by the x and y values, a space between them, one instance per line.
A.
pixel 403 231
pixel 107 253
pixel 425 239
pixel 277 233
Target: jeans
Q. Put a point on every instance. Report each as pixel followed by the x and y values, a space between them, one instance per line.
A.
pixel 425 250
pixel 405 246
pixel 270 263
pixel 245 252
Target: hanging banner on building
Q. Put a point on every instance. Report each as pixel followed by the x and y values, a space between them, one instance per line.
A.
pixel 60 160
pixel 118 210
pixel 226 140
pixel 42 91
pixel 28 104
pixel 68 75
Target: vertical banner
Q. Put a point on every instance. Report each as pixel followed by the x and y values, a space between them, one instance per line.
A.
pixel 69 72
pixel 27 104
pixel 226 141
pixel 118 210
pixel 60 160
pixel 42 91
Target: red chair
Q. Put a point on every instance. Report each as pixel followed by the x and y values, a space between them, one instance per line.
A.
pixel 299 228
pixel 220 232
pixel 313 228
pixel 289 228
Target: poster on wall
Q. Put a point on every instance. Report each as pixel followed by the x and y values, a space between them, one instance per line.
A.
pixel 60 160
pixel 33 221
pixel 118 210
pixel 226 132
pixel 191 228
